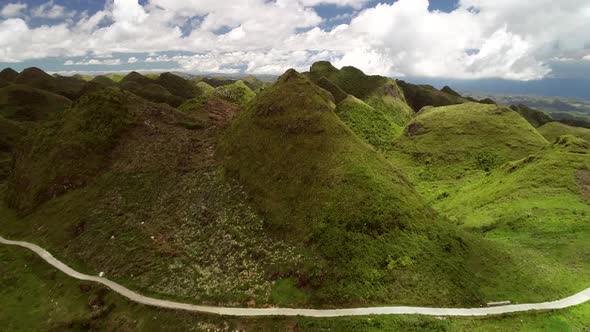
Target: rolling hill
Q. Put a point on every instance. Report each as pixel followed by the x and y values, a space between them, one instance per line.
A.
pixel 378 92
pixel 469 136
pixel 552 130
pixel 24 103
pixel 419 96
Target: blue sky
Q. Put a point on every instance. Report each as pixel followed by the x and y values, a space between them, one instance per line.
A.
pixel 466 39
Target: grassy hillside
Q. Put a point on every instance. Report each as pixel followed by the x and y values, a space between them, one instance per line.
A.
pixel 553 130
pixel 10 133
pixel 177 85
pixel 535 117
pixel 419 96
pixel 4 83
pixel 65 154
pixel 24 103
pixel 237 92
pixel 115 77
pixel 469 136
pixel 143 180
pixel 540 203
pixel 368 235
pixel 69 87
pixel 379 92
pixel 64 304
pixel 8 74
pixel 376 127
pixel 204 87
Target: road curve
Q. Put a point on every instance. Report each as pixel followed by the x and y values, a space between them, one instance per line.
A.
pixel 573 300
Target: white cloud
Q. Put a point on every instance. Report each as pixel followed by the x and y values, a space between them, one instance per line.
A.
pixel 51 10
pixel 132 60
pixel 587 57
pixel 341 3
pixel 480 38
pixel 96 62
pixel 13 10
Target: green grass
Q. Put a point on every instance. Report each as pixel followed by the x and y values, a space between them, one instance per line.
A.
pixel 177 85
pixel 379 92
pixel 65 153
pixel 419 96
pixel 553 130
pixel 237 92
pixel 205 88
pixel 115 77
pixel 467 137
pixel 535 117
pixel 24 103
pixel 35 297
pixel 34 77
pixel 371 238
pixel 376 127
pixel 8 74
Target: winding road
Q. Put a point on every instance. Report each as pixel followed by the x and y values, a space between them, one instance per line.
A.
pixel 573 300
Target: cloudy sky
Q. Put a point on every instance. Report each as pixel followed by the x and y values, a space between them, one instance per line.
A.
pixel 517 40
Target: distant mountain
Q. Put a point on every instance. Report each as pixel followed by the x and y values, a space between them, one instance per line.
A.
pixel 563 88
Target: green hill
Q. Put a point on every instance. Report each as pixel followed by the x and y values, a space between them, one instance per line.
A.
pixel 104 80
pixel 379 92
pixel 8 74
pixel 204 88
pixel 143 179
pixel 4 83
pixel 96 84
pixel 469 136
pixel 447 89
pixel 10 133
pixel 553 130
pixel 177 85
pixel 376 127
pixel 368 236
pixel 115 77
pixel 75 147
pixel 540 202
pixel 237 92
pixel 69 87
pixel 149 89
pixel 419 96
pixel 535 117
pixel 338 94
pixel 24 103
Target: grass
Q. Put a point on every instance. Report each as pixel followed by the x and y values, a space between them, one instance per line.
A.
pixel 8 74
pixel 205 88
pixel 379 92
pixel 36 297
pixel 34 77
pixel 467 137
pixel 288 203
pixel 65 153
pixel 376 127
pixel 370 237
pixel 153 195
pixel 237 92
pixel 177 85
pixel 24 103
pixel 535 117
pixel 551 131
pixel 419 96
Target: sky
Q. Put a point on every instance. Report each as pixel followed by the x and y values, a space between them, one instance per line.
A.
pixel 456 39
